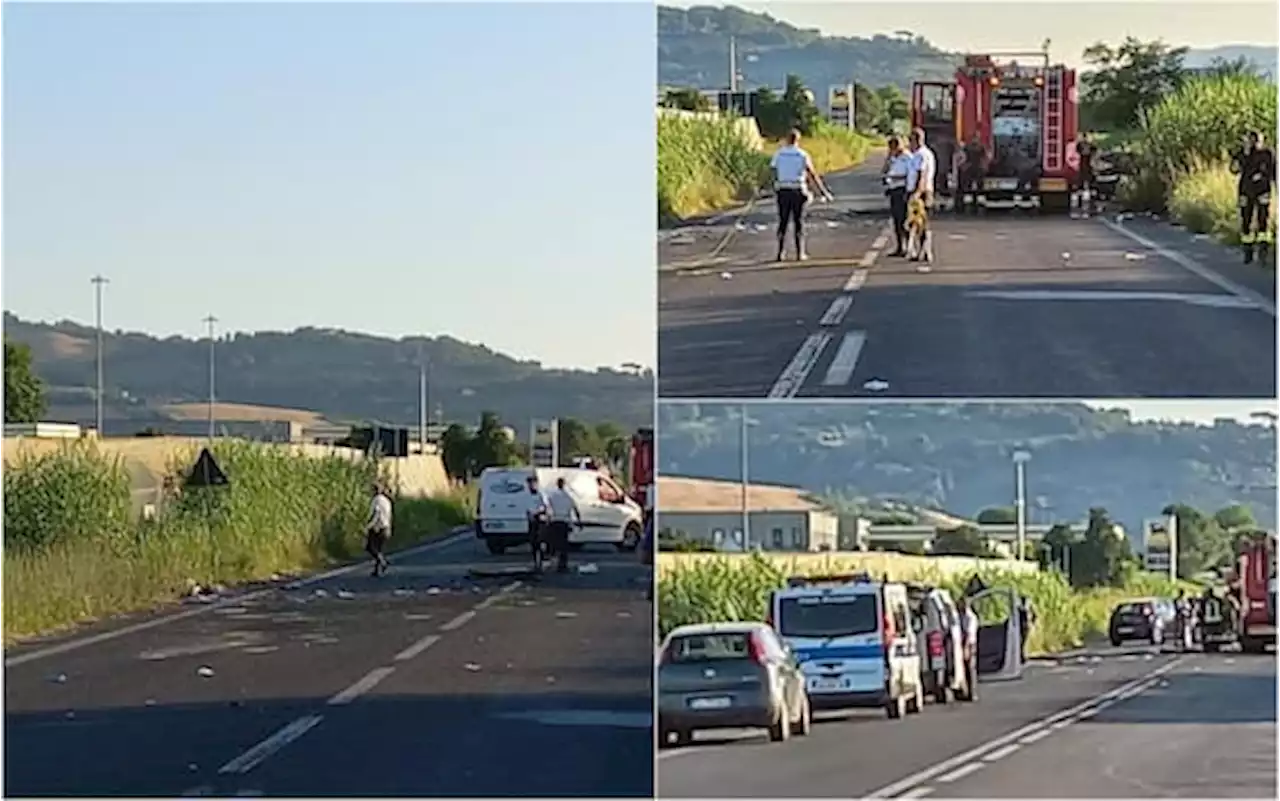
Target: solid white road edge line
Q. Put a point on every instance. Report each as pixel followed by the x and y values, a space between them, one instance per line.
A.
pixel 371 679
pixel 965 758
pixel 919 792
pixel 802 363
pixel 75 645
pixel 1196 268
pixel 259 753
pixel 959 773
pixel 1002 752
pixel 846 360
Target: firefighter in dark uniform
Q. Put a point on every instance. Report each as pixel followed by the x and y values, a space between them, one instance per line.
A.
pixel 1085 185
pixel 1256 165
pixel 973 168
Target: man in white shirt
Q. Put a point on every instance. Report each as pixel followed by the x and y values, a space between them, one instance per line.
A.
pixel 792 172
pixel 896 167
pixel 564 514
pixel 921 175
pixel 969 629
pixel 378 529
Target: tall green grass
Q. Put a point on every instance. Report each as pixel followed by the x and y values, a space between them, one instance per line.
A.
pixel 75 552
pixel 1185 145
pixel 704 591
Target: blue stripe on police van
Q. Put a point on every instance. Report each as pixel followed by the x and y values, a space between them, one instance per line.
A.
pixel 873 651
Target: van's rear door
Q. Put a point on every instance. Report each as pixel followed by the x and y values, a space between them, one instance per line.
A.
pixel 504 503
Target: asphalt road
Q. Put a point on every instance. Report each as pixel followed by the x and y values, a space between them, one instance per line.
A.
pixel 426 682
pixel 1112 726
pixel 1016 306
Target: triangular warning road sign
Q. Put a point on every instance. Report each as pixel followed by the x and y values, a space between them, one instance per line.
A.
pixel 206 472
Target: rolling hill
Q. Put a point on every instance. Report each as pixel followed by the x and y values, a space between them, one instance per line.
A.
pixel 341 375
pixel 957 456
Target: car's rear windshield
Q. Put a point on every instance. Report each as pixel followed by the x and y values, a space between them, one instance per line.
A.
pixel 828 616
pixel 1133 609
pixel 704 647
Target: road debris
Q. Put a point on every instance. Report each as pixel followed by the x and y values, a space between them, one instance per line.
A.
pixel 589 567
pixel 472 666
pixel 204 671
pixel 876 385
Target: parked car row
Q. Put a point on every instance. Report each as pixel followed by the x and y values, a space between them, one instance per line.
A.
pixel 827 643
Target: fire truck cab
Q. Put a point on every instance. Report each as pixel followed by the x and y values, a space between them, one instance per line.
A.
pixel 1024 117
pixel 642 467
pixel 1256 571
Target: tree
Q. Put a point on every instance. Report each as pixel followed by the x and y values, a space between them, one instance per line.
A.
pixel 23 390
pixel 1203 543
pixel 998 515
pixel 1236 516
pixel 795 109
pixel 867 109
pixel 1059 540
pixel 1103 556
pixel 577 439
pixel 1128 80
pixel 895 111
pixel 686 100
pixel 456 452
pixel 961 541
pixel 1239 67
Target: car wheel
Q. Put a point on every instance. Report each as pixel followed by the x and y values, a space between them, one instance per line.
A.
pixel 780 731
pixel 1115 642
pixel 1212 647
pixel 805 724
pixel 495 548
pixel 630 538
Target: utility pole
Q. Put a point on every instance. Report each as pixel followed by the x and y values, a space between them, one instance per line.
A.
pixel 1020 459
pixel 733 63
pixel 423 402
pixel 210 321
pixel 746 467
pixel 98 283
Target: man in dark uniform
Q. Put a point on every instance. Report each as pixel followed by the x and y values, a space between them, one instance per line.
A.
pixel 1085 150
pixel 1256 165
pixel 973 168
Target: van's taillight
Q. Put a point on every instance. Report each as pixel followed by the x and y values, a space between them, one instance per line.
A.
pixel 888 630
pixel 755 649
pixel 935 643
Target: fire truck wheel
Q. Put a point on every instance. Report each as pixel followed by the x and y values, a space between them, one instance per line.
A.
pixel 1252 645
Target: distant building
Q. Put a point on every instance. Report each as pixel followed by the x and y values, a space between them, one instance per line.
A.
pixel 779 518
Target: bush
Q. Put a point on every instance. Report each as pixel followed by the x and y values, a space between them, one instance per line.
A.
pixel 1205 201
pixel 76 554
pixel 708 590
pixel 705 163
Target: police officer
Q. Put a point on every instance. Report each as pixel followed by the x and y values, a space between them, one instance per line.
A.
pixel 896 167
pixel 1256 165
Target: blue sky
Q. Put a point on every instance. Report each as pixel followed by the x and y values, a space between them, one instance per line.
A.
pixel 479 170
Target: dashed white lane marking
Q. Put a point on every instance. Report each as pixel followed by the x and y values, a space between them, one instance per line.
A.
pixel 856 280
pixel 417 648
pixel 836 311
pixel 797 371
pixel 1196 268
pixel 959 773
pixel 371 679
pixel 459 621
pixel 868 258
pixel 1036 736
pixel 1057 720
pixel 1001 753
pixel 260 752
pixel 919 792
pixel 846 359
pixel 880 241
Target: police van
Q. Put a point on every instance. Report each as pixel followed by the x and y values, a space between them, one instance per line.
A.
pixel 854 641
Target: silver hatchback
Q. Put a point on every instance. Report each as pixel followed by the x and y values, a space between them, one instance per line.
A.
pixel 729 676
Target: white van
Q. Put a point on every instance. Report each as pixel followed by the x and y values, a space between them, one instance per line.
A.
pixel 608 515
pixel 854 641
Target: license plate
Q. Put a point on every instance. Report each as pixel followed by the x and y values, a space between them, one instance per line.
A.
pixel 495 525
pixel 1053 184
pixel 826 685
pixel 1124 629
pixel 1001 183
pixel 710 703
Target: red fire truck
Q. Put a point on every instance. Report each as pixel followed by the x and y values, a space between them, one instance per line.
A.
pixel 1026 117
pixel 1256 574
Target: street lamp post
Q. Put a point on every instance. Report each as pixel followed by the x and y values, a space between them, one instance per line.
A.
pixel 1020 459
pixel 746 511
pixel 98 283
pixel 210 321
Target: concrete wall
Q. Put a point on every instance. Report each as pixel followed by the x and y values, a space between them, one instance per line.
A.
pixel 796 530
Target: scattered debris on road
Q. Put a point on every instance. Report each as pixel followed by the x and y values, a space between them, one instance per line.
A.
pixel 876 385
pixel 204 671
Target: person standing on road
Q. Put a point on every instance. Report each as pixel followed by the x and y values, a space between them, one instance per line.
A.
pixel 792 172
pixel 378 529
pixel 1085 181
pixel 921 175
pixel 539 512
pixel 564 515
pixel 1026 618
pixel 973 167
pixel 896 167
pixel 1185 616
pixel 969 633
pixel 1256 165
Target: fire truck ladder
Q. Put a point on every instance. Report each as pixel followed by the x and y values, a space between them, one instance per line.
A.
pixel 1053 121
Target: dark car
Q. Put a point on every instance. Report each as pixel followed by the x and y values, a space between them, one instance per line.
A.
pixel 729 676
pixel 1145 619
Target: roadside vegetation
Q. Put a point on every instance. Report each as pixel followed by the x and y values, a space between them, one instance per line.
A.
pixel 76 550
pixel 711 162
pixel 1178 129
pixel 1072 605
